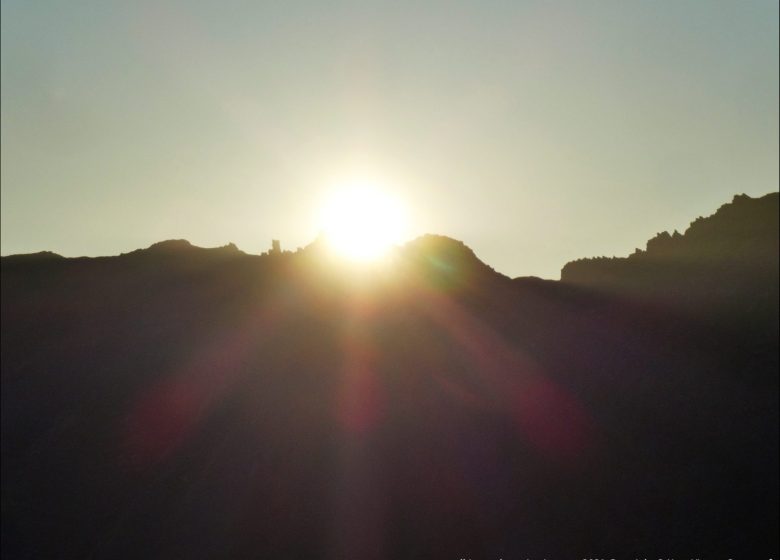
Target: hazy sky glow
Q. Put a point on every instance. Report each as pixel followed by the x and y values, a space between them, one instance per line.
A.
pixel 536 132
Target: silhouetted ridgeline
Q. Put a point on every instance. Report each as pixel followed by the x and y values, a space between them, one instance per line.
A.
pixel 180 402
pixel 729 259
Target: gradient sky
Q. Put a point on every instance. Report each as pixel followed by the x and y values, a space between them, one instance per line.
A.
pixel 536 132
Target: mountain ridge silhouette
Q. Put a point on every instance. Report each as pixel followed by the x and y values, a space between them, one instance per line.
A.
pixel 181 402
pixel 744 230
pixel 756 217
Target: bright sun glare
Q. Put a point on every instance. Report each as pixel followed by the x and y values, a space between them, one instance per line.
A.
pixel 361 221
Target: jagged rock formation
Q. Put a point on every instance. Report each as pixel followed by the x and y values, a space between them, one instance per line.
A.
pixel 741 234
pixel 727 259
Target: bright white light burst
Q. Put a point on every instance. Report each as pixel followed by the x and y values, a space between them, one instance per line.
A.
pixel 361 221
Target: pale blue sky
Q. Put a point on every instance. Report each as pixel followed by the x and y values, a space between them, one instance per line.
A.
pixel 536 132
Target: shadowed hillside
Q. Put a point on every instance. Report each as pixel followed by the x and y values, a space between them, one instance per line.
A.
pixel 180 402
pixel 724 262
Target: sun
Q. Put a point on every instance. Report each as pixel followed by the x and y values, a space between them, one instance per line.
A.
pixel 361 221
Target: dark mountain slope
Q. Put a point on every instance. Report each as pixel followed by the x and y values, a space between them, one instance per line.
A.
pixel 724 262
pixel 178 402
